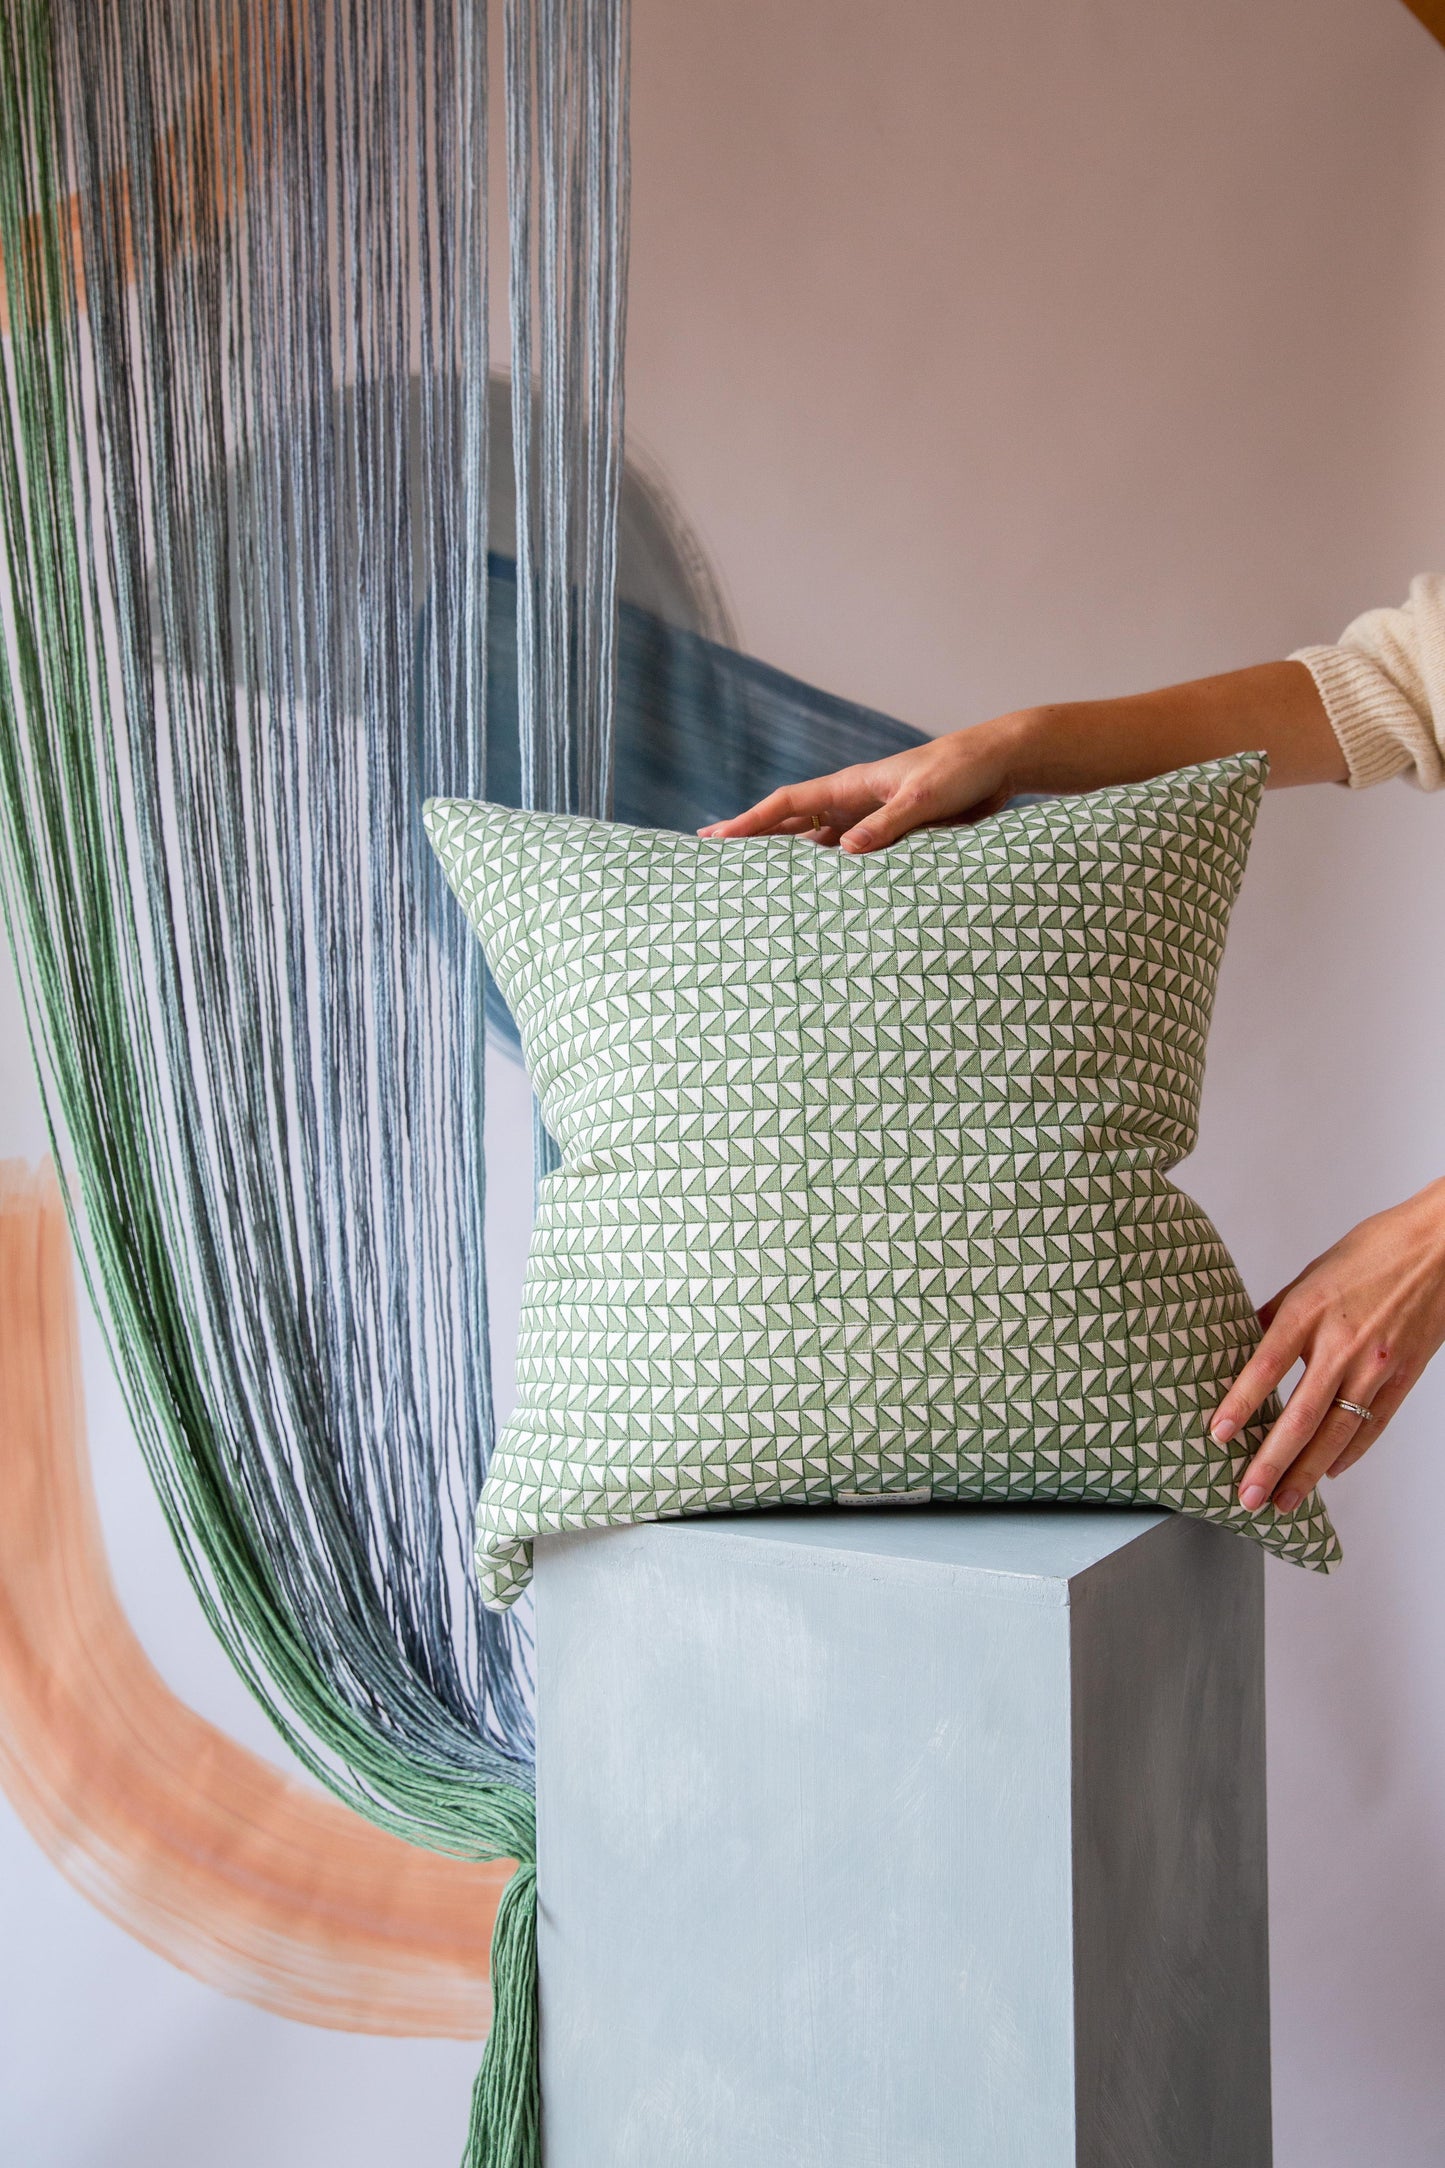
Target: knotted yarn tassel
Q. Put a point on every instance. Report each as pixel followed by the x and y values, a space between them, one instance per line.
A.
pixel 506 2125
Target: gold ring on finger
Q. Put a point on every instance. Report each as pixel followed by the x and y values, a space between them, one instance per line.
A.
pixel 1352 1407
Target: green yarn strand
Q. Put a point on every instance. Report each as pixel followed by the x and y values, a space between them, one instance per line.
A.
pixel 505 2127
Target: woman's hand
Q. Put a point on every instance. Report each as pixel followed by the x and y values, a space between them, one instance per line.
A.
pixel 962 777
pixel 1365 1319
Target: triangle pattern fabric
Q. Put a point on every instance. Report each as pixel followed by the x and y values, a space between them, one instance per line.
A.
pixel 864 1188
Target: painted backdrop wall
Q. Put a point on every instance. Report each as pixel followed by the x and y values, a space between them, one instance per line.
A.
pixel 1000 354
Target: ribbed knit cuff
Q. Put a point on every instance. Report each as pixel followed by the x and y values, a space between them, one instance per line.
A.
pixel 1365 708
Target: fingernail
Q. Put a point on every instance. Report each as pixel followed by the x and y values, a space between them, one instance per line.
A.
pixel 1252 1497
pixel 1287 1501
pixel 1221 1430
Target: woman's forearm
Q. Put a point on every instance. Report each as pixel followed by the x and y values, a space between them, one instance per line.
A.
pixel 1273 708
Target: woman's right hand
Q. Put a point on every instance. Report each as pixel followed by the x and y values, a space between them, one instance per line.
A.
pixel 962 777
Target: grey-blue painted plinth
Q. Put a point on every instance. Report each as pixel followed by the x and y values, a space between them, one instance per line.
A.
pixel 903 1839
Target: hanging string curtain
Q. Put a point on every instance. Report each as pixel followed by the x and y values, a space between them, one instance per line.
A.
pixel 233 238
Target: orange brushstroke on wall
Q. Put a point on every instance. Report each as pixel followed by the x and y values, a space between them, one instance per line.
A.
pixel 248 1879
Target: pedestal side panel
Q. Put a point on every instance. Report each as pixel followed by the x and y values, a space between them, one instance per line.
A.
pixel 804 1860
pixel 1170 1890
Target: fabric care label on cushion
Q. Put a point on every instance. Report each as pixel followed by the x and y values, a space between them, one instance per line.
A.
pixel 923 1497
pixel 864 1188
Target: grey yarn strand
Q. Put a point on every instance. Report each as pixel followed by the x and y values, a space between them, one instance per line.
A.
pixel 259 445
pixel 272 552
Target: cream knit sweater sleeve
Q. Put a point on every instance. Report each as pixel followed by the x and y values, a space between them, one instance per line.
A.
pixel 1383 688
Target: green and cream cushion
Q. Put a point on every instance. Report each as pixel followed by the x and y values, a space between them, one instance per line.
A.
pixel 864 1164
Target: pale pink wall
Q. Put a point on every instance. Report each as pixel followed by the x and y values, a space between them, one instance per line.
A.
pixel 1008 351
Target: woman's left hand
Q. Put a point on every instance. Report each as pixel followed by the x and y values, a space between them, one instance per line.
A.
pixel 1365 1319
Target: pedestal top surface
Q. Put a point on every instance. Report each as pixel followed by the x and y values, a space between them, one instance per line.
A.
pixel 1025 1543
